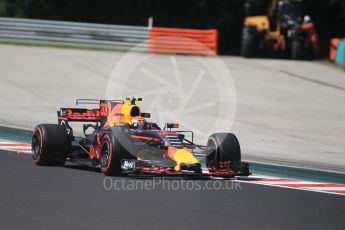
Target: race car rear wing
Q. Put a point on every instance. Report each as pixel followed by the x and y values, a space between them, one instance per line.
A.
pixel 95 101
pixel 106 111
pixel 87 115
pixel 77 114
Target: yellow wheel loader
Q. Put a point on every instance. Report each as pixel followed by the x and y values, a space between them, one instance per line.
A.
pixel 277 30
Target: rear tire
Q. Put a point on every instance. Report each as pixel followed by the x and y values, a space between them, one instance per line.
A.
pixel 50 144
pixel 250 43
pixel 223 147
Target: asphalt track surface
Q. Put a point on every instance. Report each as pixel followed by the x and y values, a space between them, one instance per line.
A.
pixel 73 197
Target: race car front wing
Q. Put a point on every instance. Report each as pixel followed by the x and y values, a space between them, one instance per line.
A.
pixel 224 169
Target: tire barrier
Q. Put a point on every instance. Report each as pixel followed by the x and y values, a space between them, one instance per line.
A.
pixel 183 41
pixel 333 48
pixel 155 39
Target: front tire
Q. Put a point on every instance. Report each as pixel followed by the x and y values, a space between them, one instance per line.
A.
pixel 115 146
pixel 223 147
pixel 50 144
pixel 110 157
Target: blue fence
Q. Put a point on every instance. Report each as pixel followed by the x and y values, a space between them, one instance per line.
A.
pixel 340 54
pixel 339 48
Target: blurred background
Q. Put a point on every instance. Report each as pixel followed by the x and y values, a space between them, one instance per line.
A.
pixel 224 15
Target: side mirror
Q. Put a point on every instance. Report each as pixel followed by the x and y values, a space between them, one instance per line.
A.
pixel 146 115
pixel 172 125
pixel 87 126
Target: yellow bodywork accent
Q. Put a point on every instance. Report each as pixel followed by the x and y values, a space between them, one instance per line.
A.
pixel 183 156
pixel 126 111
pixel 261 22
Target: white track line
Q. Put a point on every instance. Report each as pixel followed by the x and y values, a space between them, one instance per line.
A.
pixel 329 188
pixel 304 189
pixel 15 146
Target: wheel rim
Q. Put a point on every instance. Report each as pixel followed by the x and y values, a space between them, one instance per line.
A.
pixel 105 154
pixel 36 145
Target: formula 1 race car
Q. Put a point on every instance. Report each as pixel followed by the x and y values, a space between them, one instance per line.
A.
pixel 118 140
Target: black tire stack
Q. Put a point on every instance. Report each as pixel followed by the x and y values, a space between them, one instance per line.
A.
pixel 250 41
pixel 298 49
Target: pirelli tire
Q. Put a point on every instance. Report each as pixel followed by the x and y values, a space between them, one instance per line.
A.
pixel 223 147
pixel 115 146
pixel 50 144
pixel 250 42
